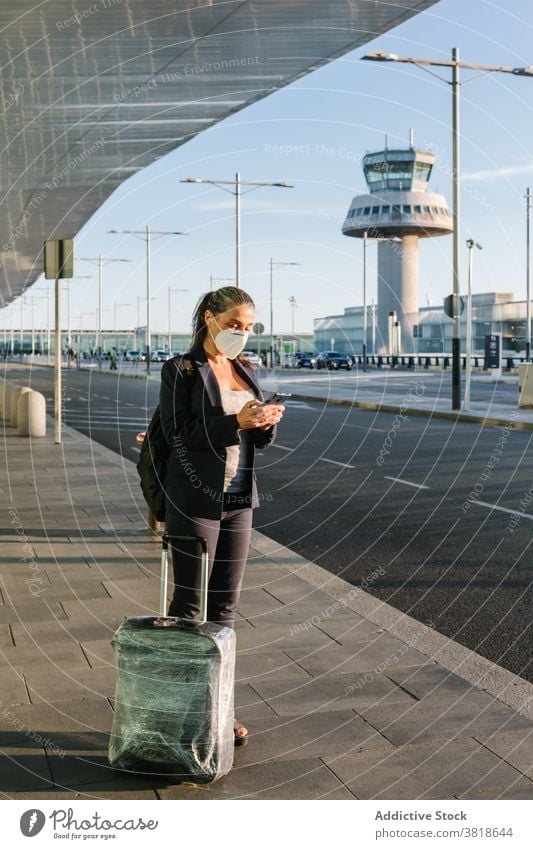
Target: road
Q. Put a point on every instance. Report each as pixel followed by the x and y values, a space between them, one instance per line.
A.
pixel 413 510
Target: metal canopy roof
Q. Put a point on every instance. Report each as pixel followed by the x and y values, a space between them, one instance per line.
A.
pixel 92 95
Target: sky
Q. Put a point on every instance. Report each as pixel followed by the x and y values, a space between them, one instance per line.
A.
pixel 313 133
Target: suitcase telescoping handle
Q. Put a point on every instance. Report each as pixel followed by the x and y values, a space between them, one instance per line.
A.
pixel 204 571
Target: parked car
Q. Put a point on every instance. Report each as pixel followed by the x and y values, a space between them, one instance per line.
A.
pixel 132 356
pixel 160 356
pixel 253 358
pixel 143 356
pixel 301 359
pixel 334 360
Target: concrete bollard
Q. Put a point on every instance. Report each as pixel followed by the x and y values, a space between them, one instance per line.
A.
pixel 6 389
pixel 31 414
pixel 15 395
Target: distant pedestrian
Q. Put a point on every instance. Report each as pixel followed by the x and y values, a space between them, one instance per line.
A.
pixel 113 359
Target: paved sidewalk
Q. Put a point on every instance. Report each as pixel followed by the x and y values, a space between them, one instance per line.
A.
pixel 344 697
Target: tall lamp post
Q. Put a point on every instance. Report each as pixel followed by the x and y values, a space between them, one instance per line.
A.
pixel 99 261
pixel 454 64
pixel 237 192
pixel 274 264
pixel 170 292
pixel 529 197
pixel 471 244
pixel 147 235
pixel 115 307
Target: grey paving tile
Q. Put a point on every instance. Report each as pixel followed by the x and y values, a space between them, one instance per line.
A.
pixel 515 747
pixel 70 683
pixel 106 609
pixel 289 588
pixel 21 770
pixel 274 638
pixel 249 705
pixel 348 630
pixel 85 723
pixel 77 766
pixel 382 652
pixel 63 631
pixel 332 692
pixel 31 611
pixel 302 615
pixel 474 714
pixel 14 690
pixel 314 735
pixel 436 770
pixel 124 791
pixel 99 653
pixel 266 665
pixel 42 658
pixel 5 636
pixel 516 792
pixel 431 680
pixel 298 779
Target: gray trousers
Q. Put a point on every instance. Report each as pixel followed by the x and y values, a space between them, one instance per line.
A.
pixel 228 541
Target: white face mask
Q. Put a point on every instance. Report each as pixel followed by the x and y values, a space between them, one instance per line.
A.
pixel 230 342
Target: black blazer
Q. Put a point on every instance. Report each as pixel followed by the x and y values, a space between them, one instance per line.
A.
pixel 198 430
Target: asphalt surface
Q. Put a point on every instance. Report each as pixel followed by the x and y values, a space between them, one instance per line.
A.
pixel 414 510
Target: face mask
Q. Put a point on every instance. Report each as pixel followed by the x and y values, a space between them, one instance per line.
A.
pixel 230 342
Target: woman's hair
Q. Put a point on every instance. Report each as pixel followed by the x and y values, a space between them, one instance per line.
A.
pixel 217 302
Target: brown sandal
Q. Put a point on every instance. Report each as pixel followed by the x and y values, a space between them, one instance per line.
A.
pixel 240 738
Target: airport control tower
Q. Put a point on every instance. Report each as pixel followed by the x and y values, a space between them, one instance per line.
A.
pixel 398 211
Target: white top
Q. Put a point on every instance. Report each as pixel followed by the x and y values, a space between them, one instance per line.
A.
pixel 237 463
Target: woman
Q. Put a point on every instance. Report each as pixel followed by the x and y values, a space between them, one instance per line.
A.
pixel 210 415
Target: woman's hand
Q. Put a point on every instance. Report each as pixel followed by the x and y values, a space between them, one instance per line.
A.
pixel 255 415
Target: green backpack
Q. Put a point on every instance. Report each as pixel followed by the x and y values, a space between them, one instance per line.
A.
pixel 153 459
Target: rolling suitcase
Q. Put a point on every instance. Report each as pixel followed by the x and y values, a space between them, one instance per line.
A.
pixel 174 690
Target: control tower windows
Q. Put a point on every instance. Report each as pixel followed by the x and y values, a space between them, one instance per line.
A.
pixel 407 209
pixel 417 209
pixel 385 210
pixel 366 210
pixel 375 210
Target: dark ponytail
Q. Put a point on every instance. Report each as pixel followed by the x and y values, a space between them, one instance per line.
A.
pixel 217 302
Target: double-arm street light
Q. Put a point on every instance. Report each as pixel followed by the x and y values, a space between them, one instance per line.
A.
pixel 529 198
pixel 99 261
pixel 454 64
pixel 274 264
pixel 237 192
pixel 147 235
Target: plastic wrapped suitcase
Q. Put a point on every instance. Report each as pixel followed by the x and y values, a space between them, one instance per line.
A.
pixel 174 690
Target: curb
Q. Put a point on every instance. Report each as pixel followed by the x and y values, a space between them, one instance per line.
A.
pixel 416 411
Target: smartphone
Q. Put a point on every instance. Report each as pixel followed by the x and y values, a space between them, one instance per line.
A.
pixel 277 398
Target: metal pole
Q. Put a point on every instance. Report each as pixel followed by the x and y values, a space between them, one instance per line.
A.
pixel 373 327
pixel 466 405
pixel 57 363
pixel 99 321
pixel 456 341
pixel 148 304
pixel 21 324
pixel 271 314
pixel 528 288
pixel 32 327
pixel 47 324
pixel 237 230
pixel 365 329
pixel 169 327
pixel 69 335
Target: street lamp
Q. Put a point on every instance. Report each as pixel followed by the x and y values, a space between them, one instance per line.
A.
pixel 471 244
pixel 99 260
pixel 78 277
pixel 274 264
pixel 528 197
pixel 170 291
pixel 147 234
pixel 455 65
pixel 236 191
